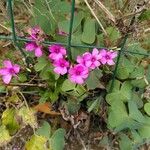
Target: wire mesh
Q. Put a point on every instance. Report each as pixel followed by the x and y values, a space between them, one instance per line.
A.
pixel 69 44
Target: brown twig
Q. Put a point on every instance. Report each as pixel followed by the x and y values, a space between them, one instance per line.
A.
pixel 93 13
pixel 28 84
pixel 106 11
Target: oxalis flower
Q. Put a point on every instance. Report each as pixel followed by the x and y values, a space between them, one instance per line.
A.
pixel 78 74
pixel 9 71
pixel 32 46
pixel 90 60
pixel 56 52
pixel 107 57
pixel 35 34
pixel 61 66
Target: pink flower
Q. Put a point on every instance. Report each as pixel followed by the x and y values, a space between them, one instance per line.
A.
pixel 78 74
pixel 60 32
pixel 9 71
pixel 107 57
pixel 90 60
pixel 85 59
pixel 61 66
pixel 35 33
pixel 57 52
pixel 32 46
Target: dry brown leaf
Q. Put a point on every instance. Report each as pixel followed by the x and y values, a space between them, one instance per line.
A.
pixel 46 108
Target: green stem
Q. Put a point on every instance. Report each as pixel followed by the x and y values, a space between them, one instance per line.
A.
pixel 70 28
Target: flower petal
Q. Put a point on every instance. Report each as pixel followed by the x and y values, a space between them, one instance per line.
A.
pixel 95 51
pixel 7 63
pixel 4 71
pixel 38 51
pixel 110 62
pixel 103 60
pixel 103 52
pixel 7 78
pixel 16 68
pixel 30 46
pixel 79 80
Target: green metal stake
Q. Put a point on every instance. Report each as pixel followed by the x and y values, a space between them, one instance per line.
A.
pixel 70 28
pixel 119 55
pixel 14 37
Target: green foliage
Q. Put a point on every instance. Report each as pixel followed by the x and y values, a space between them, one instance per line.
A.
pixel 28 116
pixel 125 143
pixel 9 120
pixel 36 142
pixel 44 130
pixel 147 108
pixel 93 80
pixel 88 35
pixel 94 104
pixel 4 136
pixel 57 140
pixel 145 15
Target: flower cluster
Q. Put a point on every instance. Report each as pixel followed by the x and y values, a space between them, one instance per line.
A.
pixel 57 56
pixel 35 34
pixel 9 71
pixel 89 61
pixel 79 72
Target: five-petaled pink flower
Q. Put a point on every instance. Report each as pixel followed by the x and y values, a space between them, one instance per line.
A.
pixel 78 74
pixel 32 46
pixel 36 33
pixel 56 52
pixel 61 66
pixel 9 71
pixel 90 60
pixel 107 57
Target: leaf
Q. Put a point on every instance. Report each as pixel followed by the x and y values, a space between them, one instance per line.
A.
pixel 144 131
pixel 28 116
pixel 68 86
pixel 118 113
pixel 8 119
pixel 113 34
pixel 110 98
pixel 13 99
pixel 125 143
pixel 43 16
pixel 147 108
pixel 4 135
pixel 122 72
pixel 22 77
pixel 138 72
pixel 136 47
pixel 93 80
pixel 64 25
pixel 140 83
pixel 42 62
pixel 73 106
pixel 46 108
pixel 134 113
pixel 148 73
pixel 2 88
pixel 94 104
pixel 88 35
pixel 36 143
pixel 57 141
pixel 145 15
pixel 126 89
pixel 44 130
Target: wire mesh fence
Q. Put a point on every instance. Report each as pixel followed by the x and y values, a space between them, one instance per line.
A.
pixel 15 39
